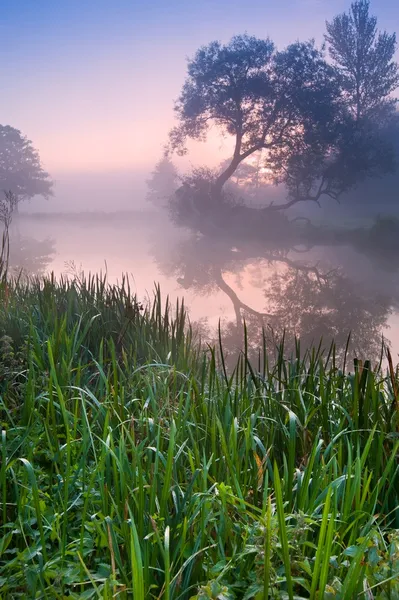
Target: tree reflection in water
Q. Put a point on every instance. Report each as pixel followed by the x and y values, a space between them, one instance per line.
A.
pixel 28 255
pixel 300 297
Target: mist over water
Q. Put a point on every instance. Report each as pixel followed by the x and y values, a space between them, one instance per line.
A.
pixel 326 292
pixel 267 198
pixel 93 191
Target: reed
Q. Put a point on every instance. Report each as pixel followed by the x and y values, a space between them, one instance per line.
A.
pixel 135 465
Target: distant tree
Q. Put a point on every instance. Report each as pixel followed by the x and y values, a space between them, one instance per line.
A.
pixel 364 58
pixel 317 167
pixel 21 171
pixel 163 183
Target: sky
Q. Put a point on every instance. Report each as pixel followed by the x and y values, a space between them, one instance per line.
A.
pixel 92 82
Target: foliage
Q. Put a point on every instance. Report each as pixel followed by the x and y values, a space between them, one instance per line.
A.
pixel 225 84
pixel 265 99
pixel 365 62
pixel 330 165
pixel 297 108
pixel 134 465
pixel 194 204
pixel 163 183
pixel 21 171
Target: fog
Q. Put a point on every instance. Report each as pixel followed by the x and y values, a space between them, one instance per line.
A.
pixel 117 190
pixel 360 293
pixel 271 207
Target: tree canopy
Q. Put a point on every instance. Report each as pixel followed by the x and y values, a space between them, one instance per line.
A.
pixel 295 106
pixel 364 60
pixel 21 170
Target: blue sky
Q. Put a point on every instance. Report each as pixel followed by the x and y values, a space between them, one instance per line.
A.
pixel 92 82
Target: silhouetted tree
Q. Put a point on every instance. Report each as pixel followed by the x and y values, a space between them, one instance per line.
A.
pixel 162 183
pixel 251 181
pixel 263 98
pixel 246 175
pixel 291 105
pixel 315 167
pixel 364 58
pixel 21 171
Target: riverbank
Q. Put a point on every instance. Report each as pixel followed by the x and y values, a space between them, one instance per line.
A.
pixel 133 465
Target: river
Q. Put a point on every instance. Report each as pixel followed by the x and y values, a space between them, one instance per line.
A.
pixel 324 292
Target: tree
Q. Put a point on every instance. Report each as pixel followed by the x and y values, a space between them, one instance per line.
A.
pixel 250 180
pixel 21 171
pixel 313 167
pixel 292 106
pixel 163 183
pixel 364 60
pixel 263 98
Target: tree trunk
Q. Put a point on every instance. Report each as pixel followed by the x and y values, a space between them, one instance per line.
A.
pixel 225 176
pixel 227 173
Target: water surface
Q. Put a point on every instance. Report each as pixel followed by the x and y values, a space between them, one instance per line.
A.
pixel 323 292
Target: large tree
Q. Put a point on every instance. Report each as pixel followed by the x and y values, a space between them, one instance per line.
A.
pixel 292 105
pixel 21 170
pixel 263 98
pixel 364 59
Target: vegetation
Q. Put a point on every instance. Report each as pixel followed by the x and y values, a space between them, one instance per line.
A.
pixel 317 127
pixel 163 183
pixel 133 465
pixel 138 463
pixel 7 206
pixel 364 58
pixel 21 170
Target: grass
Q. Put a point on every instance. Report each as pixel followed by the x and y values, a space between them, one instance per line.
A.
pixel 134 465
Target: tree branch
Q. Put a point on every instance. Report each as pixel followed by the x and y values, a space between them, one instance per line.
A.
pixel 316 198
pixel 237 303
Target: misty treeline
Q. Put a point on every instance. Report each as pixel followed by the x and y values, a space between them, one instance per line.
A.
pixel 314 121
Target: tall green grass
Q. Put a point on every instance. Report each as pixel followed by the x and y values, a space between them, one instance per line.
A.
pixel 135 465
